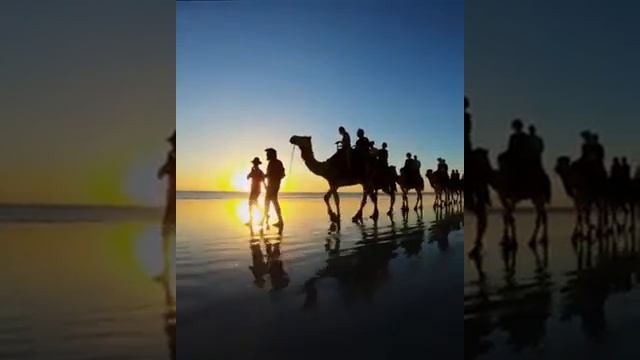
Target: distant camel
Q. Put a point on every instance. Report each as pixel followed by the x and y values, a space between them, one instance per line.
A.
pixel 439 181
pixel 406 185
pixel 581 189
pixel 589 191
pixel 333 171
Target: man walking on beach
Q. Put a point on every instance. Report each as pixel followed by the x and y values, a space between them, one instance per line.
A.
pixel 257 179
pixel 275 174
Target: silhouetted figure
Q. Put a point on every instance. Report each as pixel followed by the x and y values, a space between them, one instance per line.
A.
pixel 275 174
pixel 410 168
pixel 363 146
pixel 515 158
pixel 417 163
pixel 345 146
pixel 383 156
pixel 616 171
pixel 169 169
pixel 442 166
pixel 625 171
pixel 536 147
pixel 257 178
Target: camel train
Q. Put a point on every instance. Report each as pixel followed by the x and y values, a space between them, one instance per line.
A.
pixel 520 176
pixel 373 175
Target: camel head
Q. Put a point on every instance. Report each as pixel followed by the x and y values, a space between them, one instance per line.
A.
pixel 303 142
pixel 429 174
pixel 563 165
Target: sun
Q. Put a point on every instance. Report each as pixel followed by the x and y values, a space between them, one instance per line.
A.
pixel 239 182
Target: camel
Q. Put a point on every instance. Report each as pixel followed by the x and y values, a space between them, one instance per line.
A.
pixel 332 170
pixel 477 192
pixel 439 181
pixel 581 190
pixel 588 191
pixel 513 187
pixel 406 185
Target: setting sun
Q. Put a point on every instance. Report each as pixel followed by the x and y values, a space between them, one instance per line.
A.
pixel 239 182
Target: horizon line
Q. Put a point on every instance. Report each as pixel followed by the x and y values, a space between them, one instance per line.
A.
pixel 281 192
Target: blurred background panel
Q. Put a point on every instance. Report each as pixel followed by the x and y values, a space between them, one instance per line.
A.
pixel 87 103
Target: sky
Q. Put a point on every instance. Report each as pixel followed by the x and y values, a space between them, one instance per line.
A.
pixel 87 100
pixel 252 74
pixel 564 66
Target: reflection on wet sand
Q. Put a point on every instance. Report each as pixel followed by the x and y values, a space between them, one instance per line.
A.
pixel 606 263
pixel 312 283
pixel 362 269
pixel 167 280
pixel 270 265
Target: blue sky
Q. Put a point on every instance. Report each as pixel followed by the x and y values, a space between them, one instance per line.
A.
pixel 564 66
pixel 251 74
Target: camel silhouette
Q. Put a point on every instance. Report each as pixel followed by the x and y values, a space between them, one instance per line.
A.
pixel 439 181
pixel 514 188
pixel 334 172
pixel 406 185
pixel 582 190
pixel 603 193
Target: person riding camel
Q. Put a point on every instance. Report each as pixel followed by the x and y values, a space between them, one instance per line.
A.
pixel 536 147
pixel 362 150
pixel 383 156
pixel 363 145
pixel 517 149
pixel 417 163
pixel 345 146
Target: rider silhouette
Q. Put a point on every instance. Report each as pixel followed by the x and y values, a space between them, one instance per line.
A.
pixel 383 156
pixel 536 147
pixel 345 146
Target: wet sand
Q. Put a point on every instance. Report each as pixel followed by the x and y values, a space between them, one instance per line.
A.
pixel 374 292
pixel 573 299
pixel 73 289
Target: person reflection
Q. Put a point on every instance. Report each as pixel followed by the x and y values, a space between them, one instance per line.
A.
pixel 271 264
pixel 167 280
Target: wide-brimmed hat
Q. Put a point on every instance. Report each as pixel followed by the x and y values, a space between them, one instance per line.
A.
pixel 256 160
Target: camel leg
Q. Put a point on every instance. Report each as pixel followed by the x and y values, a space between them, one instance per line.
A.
pixel 392 196
pixel 536 229
pixel 358 216
pixel 336 199
pixel 327 196
pixel 374 197
pixel 405 200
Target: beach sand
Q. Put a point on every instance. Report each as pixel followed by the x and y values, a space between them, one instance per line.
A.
pixel 579 301
pixel 73 288
pixel 374 292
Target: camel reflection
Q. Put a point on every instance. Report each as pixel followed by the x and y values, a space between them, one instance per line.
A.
pixel 606 263
pixel 363 268
pixel 518 307
pixel 615 269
